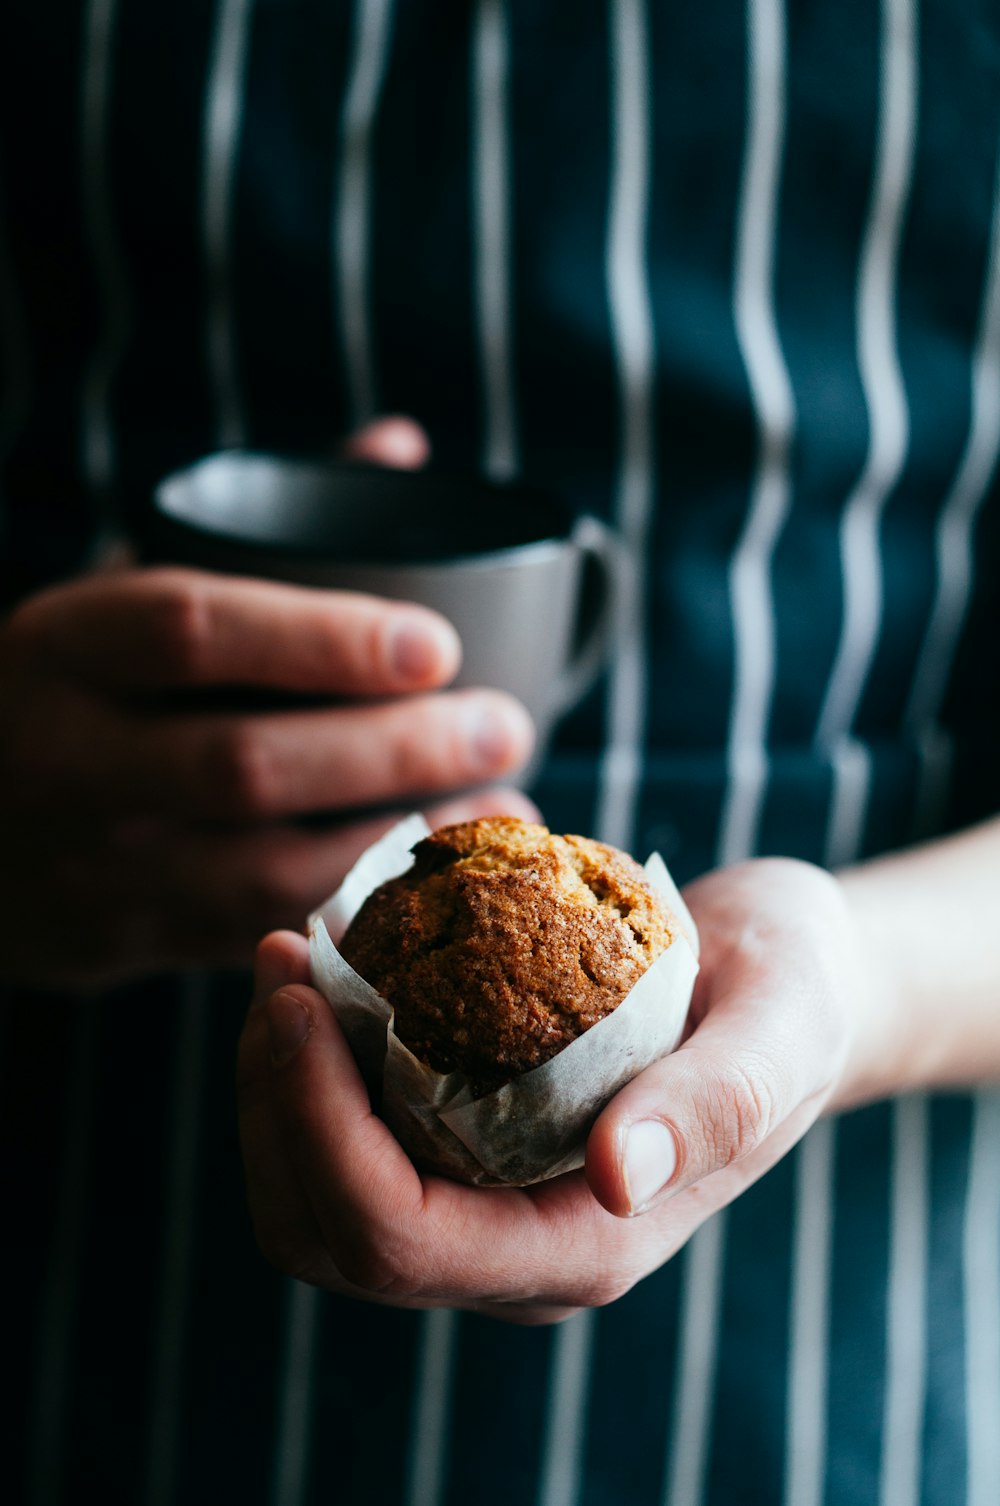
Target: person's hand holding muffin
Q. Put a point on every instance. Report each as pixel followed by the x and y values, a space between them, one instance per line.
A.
pixel 815 993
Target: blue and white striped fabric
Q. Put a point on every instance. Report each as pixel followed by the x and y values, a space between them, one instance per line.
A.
pixel 729 276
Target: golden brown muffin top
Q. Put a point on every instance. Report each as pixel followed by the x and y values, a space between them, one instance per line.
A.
pixel 503 943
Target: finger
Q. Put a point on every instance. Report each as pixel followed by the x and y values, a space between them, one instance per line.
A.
pixel 283 1222
pixel 394 441
pixel 221 891
pixel 524 1314
pixel 289 763
pixel 248 883
pixel 226 889
pixel 719 1101
pixel 282 957
pixel 404 1238
pixel 157 897
pixel 772 1029
pixel 154 895
pixel 160 628
pixel 481 803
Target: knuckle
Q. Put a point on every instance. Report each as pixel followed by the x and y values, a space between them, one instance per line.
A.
pixel 370 655
pixel 241 772
pixel 282 1247
pixel 743 1110
pixel 423 751
pixel 603 1270
pixel 180 626
pixel 341 648
pixel 375 1263
pixel 407 750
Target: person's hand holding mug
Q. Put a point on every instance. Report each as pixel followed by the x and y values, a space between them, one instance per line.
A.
pixel 144 827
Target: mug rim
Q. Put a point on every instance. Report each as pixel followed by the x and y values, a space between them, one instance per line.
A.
pixel 164 522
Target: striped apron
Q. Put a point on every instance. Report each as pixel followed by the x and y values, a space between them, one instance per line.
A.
pixel 729 277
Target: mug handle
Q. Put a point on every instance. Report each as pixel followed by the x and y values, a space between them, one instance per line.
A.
pixel 601 547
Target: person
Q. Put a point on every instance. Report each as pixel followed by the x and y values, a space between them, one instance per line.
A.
pixel 732 282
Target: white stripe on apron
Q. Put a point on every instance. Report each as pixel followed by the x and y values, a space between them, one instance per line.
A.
pixel 770 387
pixel 981 1283
pixel 491 225
pixel 885 399
pixel 809 1318
pixel 172 1319
pixel 223 128
pixel 955 558
pixel 633 336
pixel 851 771
pixel 969 490
pixel 427 1471
pixel 295 1396
pixel 565 1433
pixel 694 1373
pixel 97 438
pixel 352 208
pixel 906 1335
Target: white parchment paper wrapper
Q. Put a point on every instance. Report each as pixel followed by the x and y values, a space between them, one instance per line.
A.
pixel 536 1126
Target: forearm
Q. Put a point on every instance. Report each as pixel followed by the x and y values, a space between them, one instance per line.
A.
pixel 929 922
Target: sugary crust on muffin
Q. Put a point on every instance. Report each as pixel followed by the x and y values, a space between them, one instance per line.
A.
pixel 503 943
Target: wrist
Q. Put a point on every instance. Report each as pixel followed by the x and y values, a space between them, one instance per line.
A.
pixel 887 1046
pixel 930 967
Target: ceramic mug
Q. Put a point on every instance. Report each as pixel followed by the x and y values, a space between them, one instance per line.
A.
pixel 527 584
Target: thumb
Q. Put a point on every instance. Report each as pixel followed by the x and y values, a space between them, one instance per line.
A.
pixel 394 441
pixel 692 1114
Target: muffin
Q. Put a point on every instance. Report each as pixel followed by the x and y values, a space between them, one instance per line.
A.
pixel 504 943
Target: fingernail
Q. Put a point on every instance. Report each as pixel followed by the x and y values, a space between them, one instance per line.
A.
pixel 500 735
pixel 289 1027
pixel 420 649
pixel 648 1162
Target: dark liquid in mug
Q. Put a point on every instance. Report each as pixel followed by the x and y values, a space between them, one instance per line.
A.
pixel 348 513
